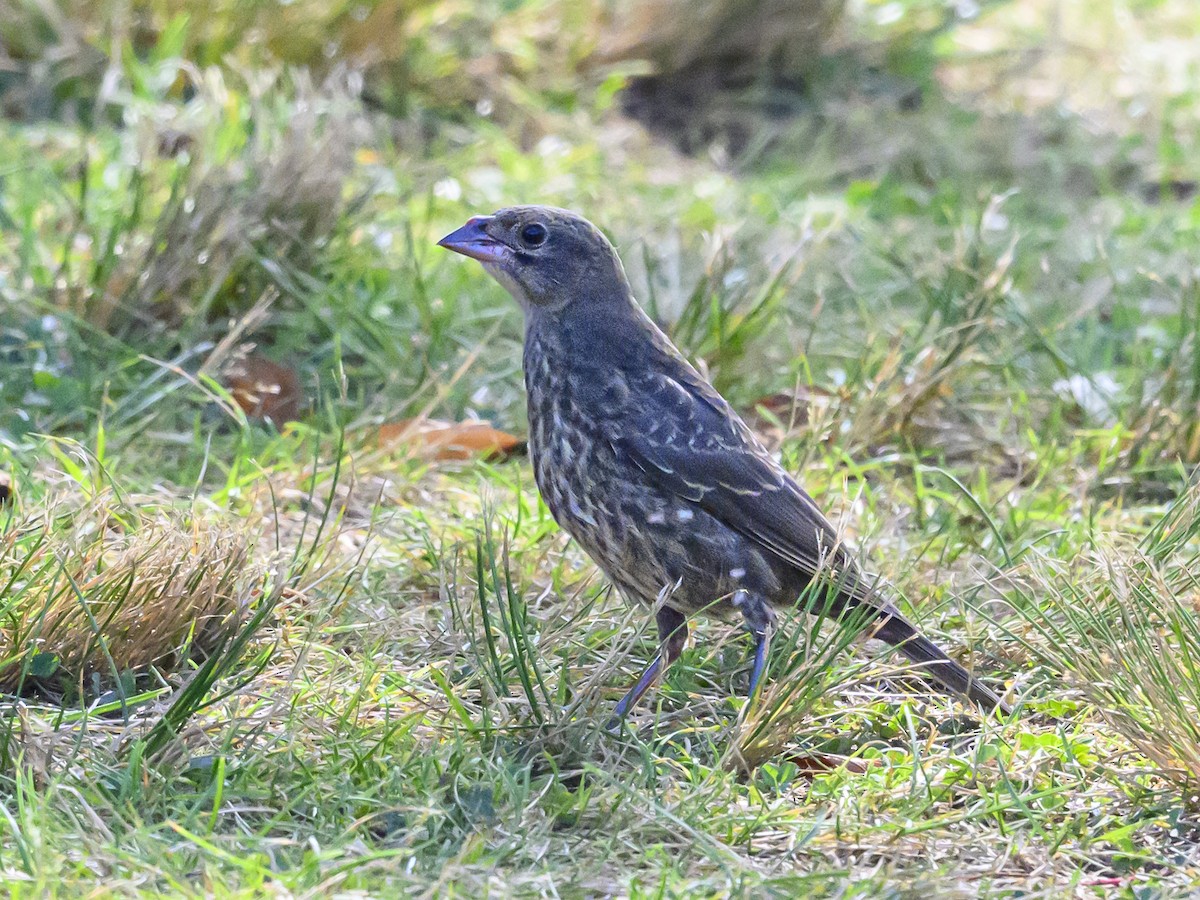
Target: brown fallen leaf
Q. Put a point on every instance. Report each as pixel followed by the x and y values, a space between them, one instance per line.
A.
pixel 265 389
pixel 820 763
pixel 439 440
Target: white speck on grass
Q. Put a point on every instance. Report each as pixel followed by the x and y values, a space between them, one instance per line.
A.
pixel 889 14
pixel 552 145
pixel 448 189
pixel 1095 395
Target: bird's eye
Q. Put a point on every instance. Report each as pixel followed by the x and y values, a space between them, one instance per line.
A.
pixel 534 234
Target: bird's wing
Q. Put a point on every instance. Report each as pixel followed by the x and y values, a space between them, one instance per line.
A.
pixel 687 439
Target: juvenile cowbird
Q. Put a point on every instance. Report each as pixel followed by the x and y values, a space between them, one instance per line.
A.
pixel 642 462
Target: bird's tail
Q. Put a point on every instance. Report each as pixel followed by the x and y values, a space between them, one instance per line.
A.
pixel 936 664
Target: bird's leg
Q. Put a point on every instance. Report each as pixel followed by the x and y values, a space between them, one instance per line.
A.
pixel 762 641
pixel 672 635
pixel 760 621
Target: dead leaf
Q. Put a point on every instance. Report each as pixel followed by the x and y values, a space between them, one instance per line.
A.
pixel 820 763
pixel 265 389
pixel 439 440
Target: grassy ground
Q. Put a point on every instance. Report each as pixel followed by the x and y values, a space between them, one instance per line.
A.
pixel 309 661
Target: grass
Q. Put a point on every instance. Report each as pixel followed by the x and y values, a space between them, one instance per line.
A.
pixel 243 657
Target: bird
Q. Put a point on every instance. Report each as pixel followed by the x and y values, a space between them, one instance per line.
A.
pixel 653 473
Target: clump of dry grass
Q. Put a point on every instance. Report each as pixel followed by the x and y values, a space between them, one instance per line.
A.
pixel 240 227
pixel 1164 418
pixel 916 388
pixel 1120 622
pixel 804 674
pixel 96 592
pixel 54 54
pixel 716 65
pixel 743 37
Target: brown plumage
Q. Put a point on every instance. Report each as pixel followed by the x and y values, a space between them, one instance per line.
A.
pixel 649 468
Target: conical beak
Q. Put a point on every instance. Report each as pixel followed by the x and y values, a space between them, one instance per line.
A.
pixel 473 240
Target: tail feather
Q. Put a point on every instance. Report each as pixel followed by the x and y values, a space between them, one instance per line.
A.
pixel 934 663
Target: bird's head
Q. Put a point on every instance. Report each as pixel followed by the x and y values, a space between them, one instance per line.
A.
pixel 547 258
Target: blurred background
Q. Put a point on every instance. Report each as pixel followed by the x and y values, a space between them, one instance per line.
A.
pixel 249 191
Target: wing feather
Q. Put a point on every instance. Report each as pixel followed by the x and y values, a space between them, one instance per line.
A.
pixel 697 447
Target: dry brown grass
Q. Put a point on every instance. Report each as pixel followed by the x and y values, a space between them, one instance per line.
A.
pixel 113 592
pixel 237 230
pixel 677 35
pixel 1119 621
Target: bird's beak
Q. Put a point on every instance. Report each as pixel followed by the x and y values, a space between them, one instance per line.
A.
pixel 473 240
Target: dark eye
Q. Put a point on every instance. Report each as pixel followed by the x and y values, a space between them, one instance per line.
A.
pixel 534 234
